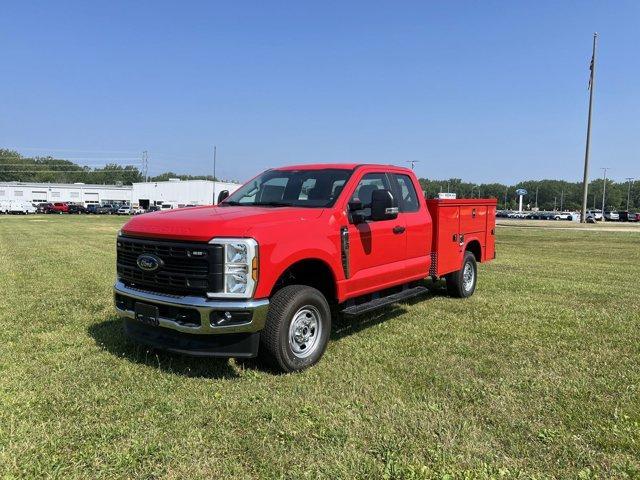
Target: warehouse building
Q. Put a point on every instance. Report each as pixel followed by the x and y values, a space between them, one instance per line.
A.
pixel 64 192
pixel 174 193
pixel 179 193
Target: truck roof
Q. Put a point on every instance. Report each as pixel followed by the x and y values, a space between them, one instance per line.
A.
pixel 339 166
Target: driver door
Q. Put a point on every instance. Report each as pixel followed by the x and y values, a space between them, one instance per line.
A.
pixel 377 249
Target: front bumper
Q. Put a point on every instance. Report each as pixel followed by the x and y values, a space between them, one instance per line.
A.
pixel 190 325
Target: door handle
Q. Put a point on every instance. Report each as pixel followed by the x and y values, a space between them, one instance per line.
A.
pixel 398 229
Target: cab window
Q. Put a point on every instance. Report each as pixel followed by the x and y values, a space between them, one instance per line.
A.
pixel 406 193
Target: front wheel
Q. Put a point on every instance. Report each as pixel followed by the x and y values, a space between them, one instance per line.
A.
pixel 297 328
pixel 462 283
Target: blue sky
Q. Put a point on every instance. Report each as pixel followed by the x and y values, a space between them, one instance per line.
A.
pixel 486 91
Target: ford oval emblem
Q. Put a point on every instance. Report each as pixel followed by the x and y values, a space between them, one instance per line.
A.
pixel 149 262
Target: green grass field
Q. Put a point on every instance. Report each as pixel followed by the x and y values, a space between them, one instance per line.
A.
pixel 537 375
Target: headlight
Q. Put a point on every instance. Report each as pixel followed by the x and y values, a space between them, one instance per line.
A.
pixel 240 267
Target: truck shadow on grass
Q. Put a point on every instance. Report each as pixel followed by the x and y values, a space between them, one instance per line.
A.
pixel 343 327
pixel 109 336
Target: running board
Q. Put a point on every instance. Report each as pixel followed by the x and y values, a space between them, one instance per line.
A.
pixel 376 303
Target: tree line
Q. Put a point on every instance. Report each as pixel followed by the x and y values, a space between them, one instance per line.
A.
pixel 545 194
pixel 17 168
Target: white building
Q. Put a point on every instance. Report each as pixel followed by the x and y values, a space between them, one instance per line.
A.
pixel 64 192
pixel 174 192
pixel 179 192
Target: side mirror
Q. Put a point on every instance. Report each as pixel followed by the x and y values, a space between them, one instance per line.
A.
pixel 383 206
pixel 354 211
pixel 223 195
pixel 355 205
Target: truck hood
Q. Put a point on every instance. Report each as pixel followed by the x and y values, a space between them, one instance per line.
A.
pixel 201 224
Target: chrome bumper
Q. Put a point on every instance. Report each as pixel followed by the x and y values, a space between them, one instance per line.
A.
pixel 204 306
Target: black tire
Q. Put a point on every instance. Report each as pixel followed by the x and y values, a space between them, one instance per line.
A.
pixel 295 303
pixel 456 285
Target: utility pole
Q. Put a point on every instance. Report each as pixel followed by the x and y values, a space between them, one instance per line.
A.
pixel 592 86
pixel 554 204
pixel 448 186
pixel 145 166
pixel 413 163
pixel 505 197
pixel 604 189
pixel 536 196
pixel 561 199
pixel 629 179
pixel 214 174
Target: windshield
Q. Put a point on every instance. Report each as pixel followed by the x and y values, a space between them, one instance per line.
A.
pixel 296 188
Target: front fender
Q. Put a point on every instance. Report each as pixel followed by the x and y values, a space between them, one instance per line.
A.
pixel 277 257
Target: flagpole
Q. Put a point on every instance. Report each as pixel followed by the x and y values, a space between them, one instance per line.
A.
pixel 592 85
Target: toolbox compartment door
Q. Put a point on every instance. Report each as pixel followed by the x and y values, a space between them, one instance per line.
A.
pixel 448 250
pixel 473 218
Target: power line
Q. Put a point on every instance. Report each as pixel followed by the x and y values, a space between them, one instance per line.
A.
pixel 66 171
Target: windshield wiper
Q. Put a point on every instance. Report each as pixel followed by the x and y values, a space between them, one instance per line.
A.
pixel 271 204
pixel 230 203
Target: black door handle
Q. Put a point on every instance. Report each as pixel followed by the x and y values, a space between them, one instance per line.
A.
pixel 398 229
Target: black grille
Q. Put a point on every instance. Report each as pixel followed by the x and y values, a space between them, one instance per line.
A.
pixel 188 268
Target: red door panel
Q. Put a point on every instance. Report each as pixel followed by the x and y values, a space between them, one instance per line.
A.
pixel 418 233
pixel 376 255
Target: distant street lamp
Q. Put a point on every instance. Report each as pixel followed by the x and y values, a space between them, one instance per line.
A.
pixel 630 180
pixel 604 188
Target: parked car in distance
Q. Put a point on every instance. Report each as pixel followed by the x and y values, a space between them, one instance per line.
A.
pixel 44 207
pixel 60 207
pixel 21 208
pixel 611 216
pixel 595 215
pixel 562 216
pixel 628 216
pixel 75 208
pixel 96 209
pixel 124 210
pixel 4 206
pixel 138 211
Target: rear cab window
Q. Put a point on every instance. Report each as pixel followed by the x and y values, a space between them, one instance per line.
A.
pixel 405 193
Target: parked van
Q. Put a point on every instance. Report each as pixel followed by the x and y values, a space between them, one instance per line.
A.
pixel 21 208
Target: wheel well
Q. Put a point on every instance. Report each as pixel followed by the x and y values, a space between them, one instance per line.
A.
pixel 474 247
pixel 313 273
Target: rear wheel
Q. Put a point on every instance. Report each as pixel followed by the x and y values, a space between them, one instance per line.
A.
pixel 297 328
pixel 462 283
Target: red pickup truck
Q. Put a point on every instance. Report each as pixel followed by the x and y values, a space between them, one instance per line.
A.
pixel 60 207
pixel 264 271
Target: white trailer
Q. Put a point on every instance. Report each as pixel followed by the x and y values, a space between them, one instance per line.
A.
pixel 64 192
pixel 179 193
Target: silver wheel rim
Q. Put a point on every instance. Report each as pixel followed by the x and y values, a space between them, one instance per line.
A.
pixel 468 276
pixel 305 331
